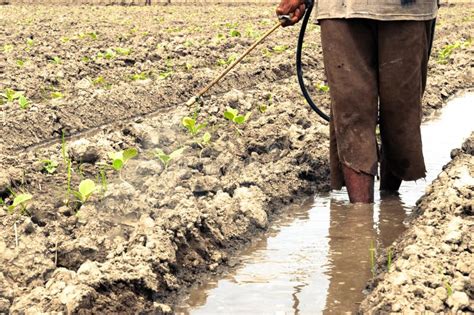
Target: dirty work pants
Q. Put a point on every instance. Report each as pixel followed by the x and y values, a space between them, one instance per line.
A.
pixel 376 69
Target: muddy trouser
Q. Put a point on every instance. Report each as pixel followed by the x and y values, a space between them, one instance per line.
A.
pixel 376 68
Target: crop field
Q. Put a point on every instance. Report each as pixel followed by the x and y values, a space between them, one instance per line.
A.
pixel 115 195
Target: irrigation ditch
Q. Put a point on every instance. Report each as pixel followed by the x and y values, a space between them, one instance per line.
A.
pixel 154 227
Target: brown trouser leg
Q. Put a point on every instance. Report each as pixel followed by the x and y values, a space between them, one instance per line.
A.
pixel 372 64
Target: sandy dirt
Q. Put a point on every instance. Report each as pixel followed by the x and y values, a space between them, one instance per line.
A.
pixel 432 263
pixel 152 230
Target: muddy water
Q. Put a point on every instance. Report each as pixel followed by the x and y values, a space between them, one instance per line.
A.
pixel 317 257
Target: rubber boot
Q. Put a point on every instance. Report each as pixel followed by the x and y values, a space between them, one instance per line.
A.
pixel 389 183
pixel 360 186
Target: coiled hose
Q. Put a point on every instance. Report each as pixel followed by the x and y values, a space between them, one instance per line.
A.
pixel 299 65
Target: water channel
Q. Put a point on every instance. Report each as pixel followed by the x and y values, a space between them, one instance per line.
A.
pixel 316 258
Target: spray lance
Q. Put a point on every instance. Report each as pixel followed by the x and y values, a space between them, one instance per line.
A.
pixel 299 65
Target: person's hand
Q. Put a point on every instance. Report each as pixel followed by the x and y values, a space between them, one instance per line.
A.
pixel 294 8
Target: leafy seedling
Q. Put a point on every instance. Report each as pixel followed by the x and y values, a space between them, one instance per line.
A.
pixel 50 166
pixel 372 258
pixel 228 61
pixel 30 42
pixel 8 48
pixel 120 159
pixel 123 51
pixel 56 60
pixel 86 188
pixel 165 74
pixel 20 201
pixel 10 95
pixel 57 95
pixel 167 158
pixel 234 33
pixel 322 87
pixel 23 102
pixel 193 128
pixel 206 138
pixel 280 48
pixel 20 63
pixel 139 76
pixel 232 114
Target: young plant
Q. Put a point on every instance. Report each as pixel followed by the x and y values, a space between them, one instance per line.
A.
pixel 23 102
pixel 165 74
pixel 228 61
pixel 167 158
pixel 234 33
pixel 372 258
pixel 120 159
pixel 57 95
pixel 20 201
pixel 322 87
pixel 191 125
pixel 139 76
pixel 56 60
pixel 10 95
pixel 50 166
pixel 389 258
pixel 280 48
pixel 232 114
pixel 206 139
pixel 86 189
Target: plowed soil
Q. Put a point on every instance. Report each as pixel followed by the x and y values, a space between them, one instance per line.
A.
pixel 112 78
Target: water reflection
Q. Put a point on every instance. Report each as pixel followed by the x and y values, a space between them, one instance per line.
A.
pixel 352 234
pixel 317 260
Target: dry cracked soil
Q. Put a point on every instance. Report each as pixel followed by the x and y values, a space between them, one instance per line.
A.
pixel 113 78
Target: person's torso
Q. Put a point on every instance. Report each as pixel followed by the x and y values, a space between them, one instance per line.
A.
pixel 389 10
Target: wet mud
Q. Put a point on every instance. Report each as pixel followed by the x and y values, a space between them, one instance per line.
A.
pixel 153 230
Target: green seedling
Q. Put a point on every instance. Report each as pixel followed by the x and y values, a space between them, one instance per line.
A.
pixel 188 66
pixel 389 259
pixel 50 166
pixel 280 48
pixel 30 42
pixel 234 33
pixel 231 24
pixel 167 158
pixel 103 180
pixel 120 159
pixel 123 51
pixel 322 87
pixel 57 95
pixel 99 80
pixel 193 128
pixel 23 102
pixel 56 60
pixel 92 35
pixel 233 115
pixel 263 108
pixel 372 258
pixel 447 50
pixel 109 54
pixel 206 138
pixel 8 48
pixel 86 188
pixel 20 63
pixel 228 61
pixel 139 76
pixel 10 95
pixel 65 39
pixel 165 74
pixel 20 201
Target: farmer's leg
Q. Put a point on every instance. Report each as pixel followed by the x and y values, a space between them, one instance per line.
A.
pixel 403 57
pixel 350 59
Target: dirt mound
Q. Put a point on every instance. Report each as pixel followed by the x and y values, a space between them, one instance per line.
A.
pixel 432 267
pixel 118 77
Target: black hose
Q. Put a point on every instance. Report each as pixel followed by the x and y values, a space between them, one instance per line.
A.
pixel 299 65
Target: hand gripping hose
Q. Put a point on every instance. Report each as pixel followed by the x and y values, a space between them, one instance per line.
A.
pixel 299 66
